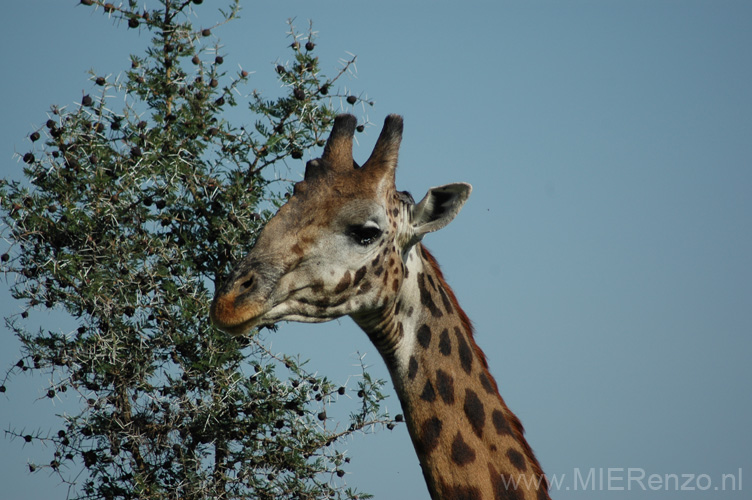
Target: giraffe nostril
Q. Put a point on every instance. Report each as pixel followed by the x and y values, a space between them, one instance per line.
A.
pixel 247 284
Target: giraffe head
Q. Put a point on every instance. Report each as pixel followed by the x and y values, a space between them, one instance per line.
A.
pixel 339 245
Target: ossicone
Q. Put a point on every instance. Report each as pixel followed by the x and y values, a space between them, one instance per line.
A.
pixel 386 150
pixel 338 150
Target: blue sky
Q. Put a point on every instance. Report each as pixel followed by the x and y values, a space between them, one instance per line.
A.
pixel 605 255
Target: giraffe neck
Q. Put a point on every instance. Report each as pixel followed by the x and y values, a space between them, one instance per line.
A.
pixel 470 445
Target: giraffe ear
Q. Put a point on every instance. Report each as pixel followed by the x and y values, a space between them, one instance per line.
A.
pixel 439 206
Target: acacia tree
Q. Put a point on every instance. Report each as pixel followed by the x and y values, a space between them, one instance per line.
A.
pixel 126 220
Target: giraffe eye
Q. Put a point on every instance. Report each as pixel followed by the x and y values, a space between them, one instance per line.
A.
pixel 366 234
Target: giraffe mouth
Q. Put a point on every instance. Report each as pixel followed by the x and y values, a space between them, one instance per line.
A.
pixel 227 315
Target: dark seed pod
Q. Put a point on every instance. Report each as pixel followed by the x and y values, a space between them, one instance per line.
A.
pixel 296 154
pixel 206 32
pixel 87 100
pixel 219 60
pixel 324 89
pixel 34 136
pixel 195 60
pixel 295 45
pixel 299 93
pixel 341 391
pixel 5 257
pixel 28 158
pixel 310 45
pixel 72 163
pixel 136 152
pixel 213 83
pixel 100 80
pixel 321 416
pixel 340 473
pixel 351 99
pixel 244 73
pixel 133 22
pixel 50 124
pixel 360 128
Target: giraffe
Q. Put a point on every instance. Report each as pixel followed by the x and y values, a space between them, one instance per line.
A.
pixel 348 243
